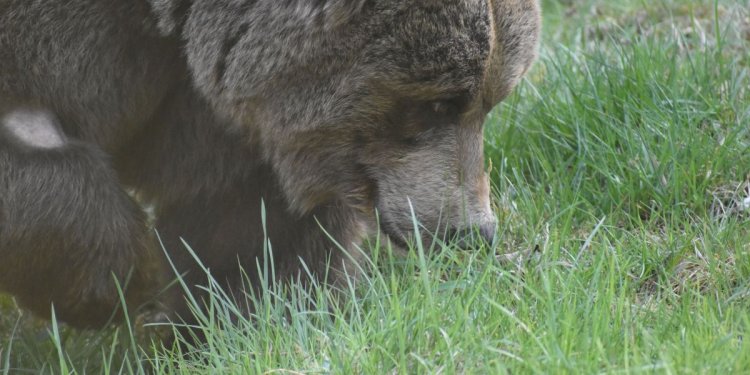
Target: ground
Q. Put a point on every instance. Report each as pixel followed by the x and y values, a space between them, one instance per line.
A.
pixel 621 172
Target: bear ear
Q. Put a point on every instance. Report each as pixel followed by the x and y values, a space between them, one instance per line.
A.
pixel 516 32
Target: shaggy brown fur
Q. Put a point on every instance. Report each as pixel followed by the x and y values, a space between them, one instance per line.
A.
pixel 326 111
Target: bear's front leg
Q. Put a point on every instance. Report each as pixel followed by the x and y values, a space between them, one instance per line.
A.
pixel 227 231
pixel 69 233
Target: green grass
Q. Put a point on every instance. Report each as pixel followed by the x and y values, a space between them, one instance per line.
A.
pixel 621 168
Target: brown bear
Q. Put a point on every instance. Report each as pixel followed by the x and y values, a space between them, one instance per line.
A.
pixel 341 117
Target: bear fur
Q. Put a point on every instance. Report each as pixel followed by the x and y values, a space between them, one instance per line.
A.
pixel 344 115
